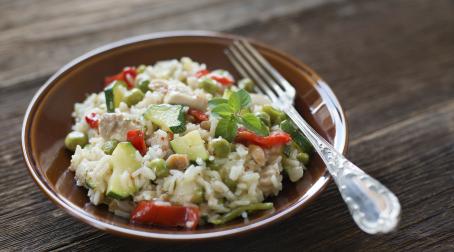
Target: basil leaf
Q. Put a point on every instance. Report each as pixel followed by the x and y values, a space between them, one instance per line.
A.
pixel 253 123
pixel 245 98
pixel 223 110
pixel 235 101
pixel 227 128
pixel 216 101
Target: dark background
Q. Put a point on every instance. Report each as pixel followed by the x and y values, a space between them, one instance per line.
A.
pixel 391 64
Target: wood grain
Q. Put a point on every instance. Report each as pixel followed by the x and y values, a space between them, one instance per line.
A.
pixel 389 62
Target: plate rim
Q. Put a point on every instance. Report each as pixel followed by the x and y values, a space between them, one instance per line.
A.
pixel 335 109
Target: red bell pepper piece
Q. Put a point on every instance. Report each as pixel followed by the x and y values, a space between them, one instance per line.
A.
pixel 198 115
pixel 137 139
pixel 92 120
pixel 247 137
pixel 128 75
pixel 201 73
pixel 151 212
pixel 224 80
pixel 171 135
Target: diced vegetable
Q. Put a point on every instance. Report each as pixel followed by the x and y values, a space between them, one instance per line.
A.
pixel 210 86
pixel 133 96
pixel 264 117
pixel 239 210
pixel 297 136
pixel 198 115
pixel 246 84
pixel 220 147
pixel 201 73
pixel 275 139
pixel 168 117
pixel 143 85
pixel 159 167
pixel 137 139
pixel 109 146
pixel 276 116
pixel 162 214
pixel 127 75
pixel 75 138
pixel 303 158
pixel 92 120
pixel 191 144
pixel 221 76
pixel 125 160
pixel 114 94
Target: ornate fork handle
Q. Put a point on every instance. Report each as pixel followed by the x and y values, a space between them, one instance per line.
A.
pixel 374 207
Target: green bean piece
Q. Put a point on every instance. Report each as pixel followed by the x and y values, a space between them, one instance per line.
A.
pixel 133 96
pixel 109 146
pixel 143 86
pixel 231 184
pixel 239 210
pixel 210 86
pixel 221 147
pixel 303 158
pixel 213 165
pixel 246 84
pixel 276 116
pixel 75 138
pixel 159 167
pixel 264 117
pixel 198 196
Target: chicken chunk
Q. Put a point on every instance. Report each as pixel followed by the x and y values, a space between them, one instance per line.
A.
pixel 194 101
pixel 115 126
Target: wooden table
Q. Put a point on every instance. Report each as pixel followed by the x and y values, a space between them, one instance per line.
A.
pixel 389 62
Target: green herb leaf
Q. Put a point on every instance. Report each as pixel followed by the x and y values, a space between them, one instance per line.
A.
pixel 227 128
pixel 223 110
pixel 235 101
pixel 239 99
pixel 216 101
pixel 253 123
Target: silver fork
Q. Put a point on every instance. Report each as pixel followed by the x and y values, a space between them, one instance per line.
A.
pixel 374 207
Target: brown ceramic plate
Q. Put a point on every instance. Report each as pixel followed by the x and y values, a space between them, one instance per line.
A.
pixel 48 120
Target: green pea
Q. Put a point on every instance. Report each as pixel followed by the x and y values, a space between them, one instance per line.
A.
pixel 159 167
pixel 143 86
pixel 210 86
pixel 198 196
pixel 75 138
pixel 133 96
pixel 109 146
pixel 276 116
pixel 303 158
pixel 221 147
pixel 264 117
pixel 246 84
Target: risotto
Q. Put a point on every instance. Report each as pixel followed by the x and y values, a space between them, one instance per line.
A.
pixel 176 145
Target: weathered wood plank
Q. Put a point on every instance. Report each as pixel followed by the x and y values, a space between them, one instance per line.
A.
pixel 402 123
pixel 50 33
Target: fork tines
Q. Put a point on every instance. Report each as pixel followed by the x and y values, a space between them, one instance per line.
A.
pixel 250 63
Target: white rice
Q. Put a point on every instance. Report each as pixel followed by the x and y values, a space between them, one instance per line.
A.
pixel 253 182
